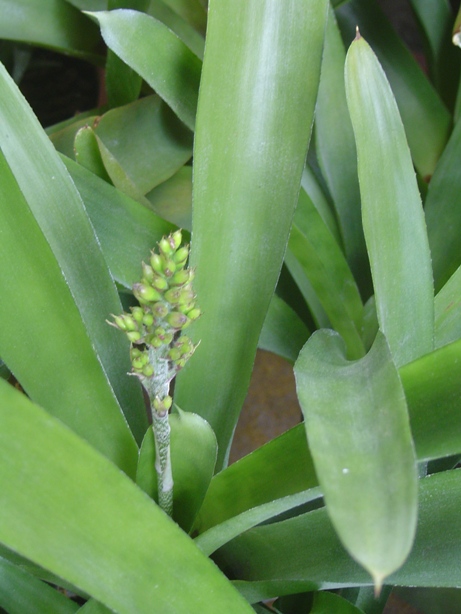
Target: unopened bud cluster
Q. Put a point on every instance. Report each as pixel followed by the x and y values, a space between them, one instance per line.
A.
pixel 166 306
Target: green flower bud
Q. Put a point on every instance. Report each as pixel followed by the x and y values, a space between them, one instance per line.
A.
pixel 134 336
pixel 174 354
pixel 119 322
pixel 169 267
pixel 147 272
pixel 156 342
pixel 186 307
pixel 173 295
pixel 148 319
pixel 181 256
pixel 194 314
pixel 145 294
pixel 137 363
pixel 160 310
pixel 175 239
pixel 176 319
pixel 165 246
pixel 160 284
pixel 168 338
pixel 186 296
pixel 181 277
pixel 162 406
pixel 137 314
pixel 185 345
pixel 148 370
pixel 156 263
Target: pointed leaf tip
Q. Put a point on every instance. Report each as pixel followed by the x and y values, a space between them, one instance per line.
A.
pixel 357 33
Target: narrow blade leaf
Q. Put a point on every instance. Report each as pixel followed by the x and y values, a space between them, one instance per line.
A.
pixel 393 218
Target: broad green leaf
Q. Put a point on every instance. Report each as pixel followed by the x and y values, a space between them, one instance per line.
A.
pixel 278 469
pixel 419 105
pixel 253 127
pixel 89 5
pixel 443 211
pixel 80 517
pixel 50 23
pixel 433 390
pixel 126 230
pixel 326 603
pixel 316 192
pixel 219 535
pixel 193 39
pixel 21 593
pixel 122 83
pixel 335 148
pixel 436 21
pixel 447 305
pixel 158 55
pixel 328 273
pixel 393 218
pixel 193 459
pixel 193 11
pixel 57 292
pixel 94 607
pixel 63 134
pixel 283 332
pixel 172 199
pixel 284 465
pixel 299 276
pixel 142 144
pixel 359 436
pixel 318 559
pixel 87 154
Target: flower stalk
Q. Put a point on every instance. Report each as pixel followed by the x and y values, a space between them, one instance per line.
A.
pixel 159 349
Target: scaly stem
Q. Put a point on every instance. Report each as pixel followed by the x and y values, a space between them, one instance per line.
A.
pixel 161 428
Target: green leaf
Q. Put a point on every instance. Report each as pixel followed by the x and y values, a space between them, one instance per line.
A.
pixel 252 133
pixel 172 199
pixel 418 102
pixel 122 83
pixel 359 436
pixel 325 603
pixel 318 560
pixel 94 607
pixel 57 293
pixel 158 55
pixel 433 390
pixel 87 154
pixel 278 469
pixel 21 593
pixel 217 536
pixel 335 148
pixel 436 21
pixel 50 23
pixel 447 304
pixel 283 332
pixel 442 208
pixel 80 517
pixel 284 465
pixel 193 459
pixel 126 230
pixel 193 11
pixel 193 39
pixel 328 273
pixel 142 144
pixel 393 218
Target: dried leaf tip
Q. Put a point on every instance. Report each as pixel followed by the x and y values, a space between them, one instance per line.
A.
pixel 357 33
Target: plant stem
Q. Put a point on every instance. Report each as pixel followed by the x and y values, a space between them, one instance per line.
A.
pixel 161 428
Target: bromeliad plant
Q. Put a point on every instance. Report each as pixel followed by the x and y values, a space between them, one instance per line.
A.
pixel 351 234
